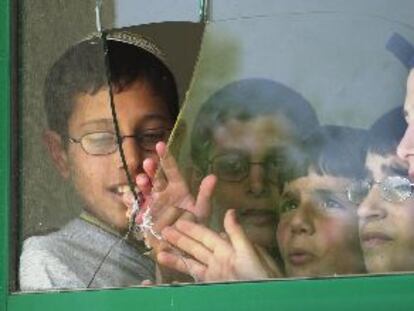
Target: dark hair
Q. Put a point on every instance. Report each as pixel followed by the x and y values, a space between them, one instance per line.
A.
pixel 338 151
pixel 81 70
pixel 386 133
pixel 244 100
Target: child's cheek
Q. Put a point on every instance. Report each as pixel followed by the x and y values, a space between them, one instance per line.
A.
pixel 338 234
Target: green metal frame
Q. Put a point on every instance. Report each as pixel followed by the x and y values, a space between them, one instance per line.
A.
pixel 347 293
pixel 364 293
pixel 4 150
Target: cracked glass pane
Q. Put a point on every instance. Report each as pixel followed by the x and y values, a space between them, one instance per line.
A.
pixel 93 105
pixel 282 163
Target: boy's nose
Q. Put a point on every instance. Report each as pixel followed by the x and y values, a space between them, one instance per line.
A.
pixel 373 207
pixel 302 221
pixel 257 184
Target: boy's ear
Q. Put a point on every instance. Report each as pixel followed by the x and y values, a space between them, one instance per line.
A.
pixel 55 146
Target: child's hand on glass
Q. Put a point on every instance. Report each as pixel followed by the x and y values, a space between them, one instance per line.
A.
pixel 217 257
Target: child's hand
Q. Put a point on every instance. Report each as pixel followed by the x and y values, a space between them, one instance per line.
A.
pixel 167 195
pixel 214 257
pixel 170 195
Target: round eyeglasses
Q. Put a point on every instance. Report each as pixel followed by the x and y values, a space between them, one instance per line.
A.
pixel 235 167
pixel 392 189
pixel 104 143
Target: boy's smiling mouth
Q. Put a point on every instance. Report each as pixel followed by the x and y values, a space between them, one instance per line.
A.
pixel 121 189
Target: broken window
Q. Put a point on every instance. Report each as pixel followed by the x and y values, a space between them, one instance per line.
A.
pixel 293 117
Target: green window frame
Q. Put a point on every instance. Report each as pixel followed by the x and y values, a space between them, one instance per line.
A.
pixel 345 293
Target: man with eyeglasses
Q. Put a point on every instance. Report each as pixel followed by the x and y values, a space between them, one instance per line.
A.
pixel 386 211
pixel 84 145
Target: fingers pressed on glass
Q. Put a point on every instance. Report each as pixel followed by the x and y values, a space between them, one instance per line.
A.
pixel 166 217
pixel 150 166
pixel 203 204
pixel 143 183
pixel 207 237
pixel 182 264
pixel 187 244
pixel 235 232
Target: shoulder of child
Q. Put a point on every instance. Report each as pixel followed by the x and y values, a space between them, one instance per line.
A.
pixel 40 269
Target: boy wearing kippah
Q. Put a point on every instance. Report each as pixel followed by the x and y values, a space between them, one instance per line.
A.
pixel 83 145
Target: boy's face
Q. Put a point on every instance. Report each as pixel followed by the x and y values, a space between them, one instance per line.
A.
pixel 386 228
pixel 246 157
pixel 405 149
pixel 100 179
pixel 317 232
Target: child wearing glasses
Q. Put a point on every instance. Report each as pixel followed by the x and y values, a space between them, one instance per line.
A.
pixel 318 224
pixel 386 214
pixel 83 145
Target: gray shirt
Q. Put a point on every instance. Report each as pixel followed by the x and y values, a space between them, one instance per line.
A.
pixel 68 259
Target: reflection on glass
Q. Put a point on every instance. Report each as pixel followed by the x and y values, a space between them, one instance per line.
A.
pixel 259 123
pixel 274 169
pixel 309 183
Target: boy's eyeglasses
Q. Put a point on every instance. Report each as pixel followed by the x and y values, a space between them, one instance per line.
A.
pixel 235 167
pixel 104 143
pixel 392 189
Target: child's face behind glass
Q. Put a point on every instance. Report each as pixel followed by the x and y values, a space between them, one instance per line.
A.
pixel 386 228
pixel 246 158
pixel 318 229
pixel 100 179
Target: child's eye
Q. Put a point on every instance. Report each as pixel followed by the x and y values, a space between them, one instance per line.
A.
pixel 275 162
pixel 150 138
pixel 330 203
pixel 230 165
pixel 101 138
pixel 99 143
pixel 288 205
